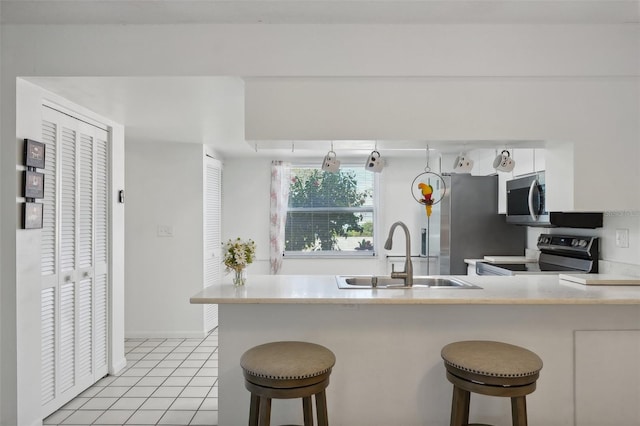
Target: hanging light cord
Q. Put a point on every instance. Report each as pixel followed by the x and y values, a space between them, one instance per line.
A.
pixel 427 168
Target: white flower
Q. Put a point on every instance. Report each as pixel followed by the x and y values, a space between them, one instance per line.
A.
pixel 238 254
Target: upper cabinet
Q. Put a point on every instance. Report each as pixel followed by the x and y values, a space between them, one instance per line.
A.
pixel 528 160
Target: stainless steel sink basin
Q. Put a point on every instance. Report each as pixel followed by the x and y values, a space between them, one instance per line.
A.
pixel 385 282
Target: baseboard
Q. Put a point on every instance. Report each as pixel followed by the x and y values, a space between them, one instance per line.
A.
pixel 165 334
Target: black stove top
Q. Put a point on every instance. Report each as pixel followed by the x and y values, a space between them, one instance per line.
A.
pixel 558 253
pixel 486 268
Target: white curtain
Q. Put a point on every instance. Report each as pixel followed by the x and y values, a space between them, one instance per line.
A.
pixel 280 181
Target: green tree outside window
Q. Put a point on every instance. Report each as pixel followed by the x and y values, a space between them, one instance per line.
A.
pixel 324 207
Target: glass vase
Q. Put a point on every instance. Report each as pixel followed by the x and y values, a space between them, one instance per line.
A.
pixel 239 277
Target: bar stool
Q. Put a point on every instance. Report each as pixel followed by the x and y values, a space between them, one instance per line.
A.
pixel 285 370
pixel 490 368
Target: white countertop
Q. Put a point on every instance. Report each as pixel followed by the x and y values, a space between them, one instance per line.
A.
pixel 601 279
pixel 502 259
pixel 323 289
pixel 510 259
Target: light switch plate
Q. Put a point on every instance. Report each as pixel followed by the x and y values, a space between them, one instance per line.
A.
pixel 622 238
pixel 165 231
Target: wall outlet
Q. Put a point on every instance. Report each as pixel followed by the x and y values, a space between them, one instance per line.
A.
pixel 622 238
pixel 165 231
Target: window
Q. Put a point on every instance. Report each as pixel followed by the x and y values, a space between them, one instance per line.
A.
pixel 330 213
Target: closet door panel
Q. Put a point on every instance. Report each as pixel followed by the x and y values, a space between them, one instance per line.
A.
pixel 212 235
pixel 101 204
pixel 49 268
pixel 75 295
pixel 67 341
pixel 48 259
pixel 85 330
pixel 85 253
pixel 85 201
pixel 101 250
pixel 48 359
pixel 68 200
pixel 101 331
pixel 68 303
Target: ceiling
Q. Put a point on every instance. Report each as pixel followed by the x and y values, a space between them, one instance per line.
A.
pixel 203 110
pixel 318 11
pixel 210 110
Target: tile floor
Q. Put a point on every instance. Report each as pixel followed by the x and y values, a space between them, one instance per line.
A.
pixel 166 382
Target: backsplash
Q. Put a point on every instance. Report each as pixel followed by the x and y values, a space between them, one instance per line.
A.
pixel 617 268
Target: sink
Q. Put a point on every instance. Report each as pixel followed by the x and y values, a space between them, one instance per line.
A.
pixel 386 282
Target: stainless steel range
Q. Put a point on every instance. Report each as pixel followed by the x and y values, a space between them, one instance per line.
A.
pixel 558 254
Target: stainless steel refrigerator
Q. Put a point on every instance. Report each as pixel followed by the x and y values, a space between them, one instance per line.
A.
pixel 465 224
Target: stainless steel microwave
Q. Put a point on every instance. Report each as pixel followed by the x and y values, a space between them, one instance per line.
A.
pixel 525 200
pixel 526 206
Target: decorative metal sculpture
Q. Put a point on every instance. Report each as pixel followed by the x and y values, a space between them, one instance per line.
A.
pixel 423 191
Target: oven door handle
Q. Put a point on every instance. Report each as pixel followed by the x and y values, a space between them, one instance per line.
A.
pixel 533 190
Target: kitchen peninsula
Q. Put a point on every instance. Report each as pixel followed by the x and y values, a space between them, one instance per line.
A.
pixel 387 343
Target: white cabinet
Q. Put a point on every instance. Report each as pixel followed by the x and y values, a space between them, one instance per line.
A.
pixel 528 160
pixel 74 258
pixel 606 362
pixel 502 191
pixel 471 269
pixel 483 161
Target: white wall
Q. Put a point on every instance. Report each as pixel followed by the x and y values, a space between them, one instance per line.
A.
pixel 324 50
pixel 28 275
pixel 164 188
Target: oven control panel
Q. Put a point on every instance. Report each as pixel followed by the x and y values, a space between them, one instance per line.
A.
pixel 565 242
pixel 569 247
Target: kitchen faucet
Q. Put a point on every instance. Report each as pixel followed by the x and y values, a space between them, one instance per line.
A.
pixel 407 274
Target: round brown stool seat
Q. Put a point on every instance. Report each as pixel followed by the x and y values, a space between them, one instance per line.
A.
pixel 285 370
pixel 490 368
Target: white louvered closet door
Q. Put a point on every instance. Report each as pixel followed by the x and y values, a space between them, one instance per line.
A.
pixel 74 258
pixel 212 234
